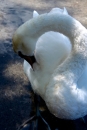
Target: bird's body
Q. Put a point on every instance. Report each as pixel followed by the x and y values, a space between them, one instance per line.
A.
pixel 57 76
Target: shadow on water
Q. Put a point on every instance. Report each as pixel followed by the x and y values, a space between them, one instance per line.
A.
pixel 15 93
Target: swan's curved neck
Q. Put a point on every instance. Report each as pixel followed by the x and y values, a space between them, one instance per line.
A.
pixel 54 22
pixel 60 23
pixel 68 26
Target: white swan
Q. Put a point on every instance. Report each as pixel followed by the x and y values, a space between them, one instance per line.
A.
pixel 64 87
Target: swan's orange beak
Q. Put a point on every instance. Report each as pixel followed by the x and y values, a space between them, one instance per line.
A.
pixel 29 59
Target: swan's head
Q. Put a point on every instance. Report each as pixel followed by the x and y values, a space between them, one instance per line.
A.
pixel 24 39
pixel 24 43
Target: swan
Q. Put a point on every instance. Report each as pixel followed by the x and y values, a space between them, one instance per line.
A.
pixel 62 84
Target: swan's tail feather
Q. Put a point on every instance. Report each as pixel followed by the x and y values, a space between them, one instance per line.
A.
pixel 35 13
pixel 65 11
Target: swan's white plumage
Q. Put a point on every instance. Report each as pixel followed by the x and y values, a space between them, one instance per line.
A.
pixel 62 85
pixel 47 58
pixel 57 10
pixel 52 48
